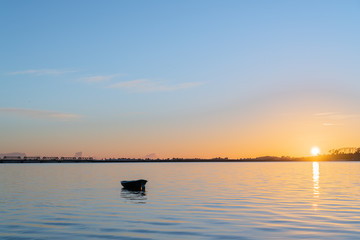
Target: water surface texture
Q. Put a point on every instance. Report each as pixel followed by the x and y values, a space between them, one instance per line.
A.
pixel 182 201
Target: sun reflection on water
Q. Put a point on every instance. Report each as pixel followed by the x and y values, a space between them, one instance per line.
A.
pixel 316 186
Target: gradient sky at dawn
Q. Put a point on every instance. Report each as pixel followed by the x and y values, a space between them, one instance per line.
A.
pixel 179 78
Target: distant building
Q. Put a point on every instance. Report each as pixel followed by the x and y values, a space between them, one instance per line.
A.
pixel 14 154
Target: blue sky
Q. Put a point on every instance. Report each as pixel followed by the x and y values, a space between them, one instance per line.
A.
pixel 178 78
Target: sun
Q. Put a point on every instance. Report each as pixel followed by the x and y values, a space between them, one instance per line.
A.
pixel 315 151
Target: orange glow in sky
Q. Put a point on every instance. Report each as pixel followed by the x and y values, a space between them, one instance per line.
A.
pixel 260 79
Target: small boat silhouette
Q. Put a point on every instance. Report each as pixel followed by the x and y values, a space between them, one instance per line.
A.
pixel 135 185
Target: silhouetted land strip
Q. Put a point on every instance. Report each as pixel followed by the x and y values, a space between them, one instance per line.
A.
pixel 329 158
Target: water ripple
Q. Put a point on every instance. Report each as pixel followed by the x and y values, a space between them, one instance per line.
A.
pixel 182 201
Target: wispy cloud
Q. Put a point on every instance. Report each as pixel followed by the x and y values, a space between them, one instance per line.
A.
pixel 334 118
pixel 326 124
pixel 325 114
pixel 40 114
pixel 336 115
pixel 41 72
pixel 146 85
pixel 99 78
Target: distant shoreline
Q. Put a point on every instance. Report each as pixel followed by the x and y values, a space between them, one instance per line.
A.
pixel 308 159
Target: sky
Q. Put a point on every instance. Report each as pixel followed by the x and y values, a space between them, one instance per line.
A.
pixel 185 78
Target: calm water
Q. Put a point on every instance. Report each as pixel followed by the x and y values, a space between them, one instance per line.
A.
pixel 182 201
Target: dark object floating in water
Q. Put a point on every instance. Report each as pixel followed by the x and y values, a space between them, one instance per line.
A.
pixel 136 185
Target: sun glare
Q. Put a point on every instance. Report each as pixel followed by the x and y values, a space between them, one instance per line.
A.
pixel 315 151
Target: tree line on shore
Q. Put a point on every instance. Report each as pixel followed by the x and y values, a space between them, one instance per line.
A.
pixel 340 154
